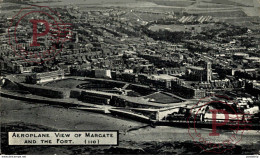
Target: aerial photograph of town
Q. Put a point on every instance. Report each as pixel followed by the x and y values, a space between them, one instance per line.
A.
pixel 169 77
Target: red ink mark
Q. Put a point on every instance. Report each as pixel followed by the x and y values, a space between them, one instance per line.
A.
pixel 35 32
pixel 214 121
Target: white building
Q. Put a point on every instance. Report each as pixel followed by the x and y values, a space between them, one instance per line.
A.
pixel 102 73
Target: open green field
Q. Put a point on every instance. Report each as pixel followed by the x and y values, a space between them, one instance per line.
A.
pixel 66 83
pixel 213 5
pixel 143 16
pixel 218 13
pixel 162 98
pixel 176 3
pixel 232 2
pixel 177 28
pixel 99 85
pixel 173 28
pixel 90 84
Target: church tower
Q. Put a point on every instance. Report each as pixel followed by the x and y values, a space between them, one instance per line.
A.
pixel 209 71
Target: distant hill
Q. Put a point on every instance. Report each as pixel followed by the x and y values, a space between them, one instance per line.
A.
pixel 253 3
pixel 248 3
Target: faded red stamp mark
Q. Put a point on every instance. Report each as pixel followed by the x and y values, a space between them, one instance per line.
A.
pixel 226 123
pixel 37 33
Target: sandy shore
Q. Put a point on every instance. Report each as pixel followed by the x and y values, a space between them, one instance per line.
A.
pixel 60 118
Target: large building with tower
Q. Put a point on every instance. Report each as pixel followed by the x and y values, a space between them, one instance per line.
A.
pixel 200 73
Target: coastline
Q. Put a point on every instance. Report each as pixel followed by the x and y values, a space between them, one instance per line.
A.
pixel 135 137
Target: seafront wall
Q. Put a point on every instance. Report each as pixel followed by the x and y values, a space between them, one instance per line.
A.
pixel 38 100
pixel 117 112
pixel 45 91
pixel 77 106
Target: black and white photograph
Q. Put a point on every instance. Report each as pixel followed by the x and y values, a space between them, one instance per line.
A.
pixel 129 77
